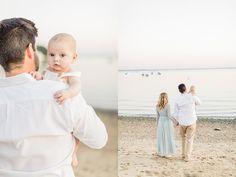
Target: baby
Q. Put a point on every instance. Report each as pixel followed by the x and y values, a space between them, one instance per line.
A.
pixel 61 55
pixel 192 90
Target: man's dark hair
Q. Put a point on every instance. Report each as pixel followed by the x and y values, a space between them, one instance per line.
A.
pixel 182 88
pixel 15 36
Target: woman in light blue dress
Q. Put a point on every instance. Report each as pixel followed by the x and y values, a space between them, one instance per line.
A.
pixel 165 130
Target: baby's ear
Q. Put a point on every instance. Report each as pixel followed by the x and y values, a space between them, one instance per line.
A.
pixel 75 57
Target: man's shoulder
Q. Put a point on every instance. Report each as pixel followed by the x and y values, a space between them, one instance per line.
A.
pixel 46 87
pixel 190 96
pixel 50 84
pixel 182 98
pixel 178 97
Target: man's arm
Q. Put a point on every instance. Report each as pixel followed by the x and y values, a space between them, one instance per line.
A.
pixel 171 117
pixel 87 126
pixel 176 112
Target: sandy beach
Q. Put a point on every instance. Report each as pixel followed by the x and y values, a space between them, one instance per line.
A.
pixel 100 163
pixel 214 151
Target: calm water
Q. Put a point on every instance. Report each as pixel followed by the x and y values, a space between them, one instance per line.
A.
pixel 99 81
pixel 139 90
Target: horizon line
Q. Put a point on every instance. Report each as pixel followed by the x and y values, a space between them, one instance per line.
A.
pixel 165 69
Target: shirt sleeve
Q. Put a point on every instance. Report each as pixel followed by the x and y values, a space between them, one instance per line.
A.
pixel 197 100
pixel 86 125
pixel 176 111
pixel 169 115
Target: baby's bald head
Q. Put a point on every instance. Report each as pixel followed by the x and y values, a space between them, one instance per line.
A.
pixel 65 38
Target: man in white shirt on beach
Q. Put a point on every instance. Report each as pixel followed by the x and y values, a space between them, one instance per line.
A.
pixel 185 114
pixel 36 133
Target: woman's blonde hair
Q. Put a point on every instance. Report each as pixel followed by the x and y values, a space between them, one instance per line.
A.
pixel 163 100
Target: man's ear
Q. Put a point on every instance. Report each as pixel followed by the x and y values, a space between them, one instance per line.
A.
pixel 29 51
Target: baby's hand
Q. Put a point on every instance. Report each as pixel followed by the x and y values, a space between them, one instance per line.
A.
pixel 36 75
pixel 61 96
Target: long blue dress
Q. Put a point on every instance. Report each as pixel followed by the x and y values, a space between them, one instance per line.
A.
pixel 165 132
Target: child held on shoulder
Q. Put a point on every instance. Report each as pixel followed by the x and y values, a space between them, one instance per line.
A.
pixel 192 90
pixel 61 55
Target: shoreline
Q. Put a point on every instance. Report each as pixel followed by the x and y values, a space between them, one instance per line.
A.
pixel 210 118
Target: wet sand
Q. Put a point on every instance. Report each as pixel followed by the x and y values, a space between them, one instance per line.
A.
pixel 214 152
pixel 100 163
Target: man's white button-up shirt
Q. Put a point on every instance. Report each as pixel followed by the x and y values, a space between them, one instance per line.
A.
pixel 185 109
pixel 36 134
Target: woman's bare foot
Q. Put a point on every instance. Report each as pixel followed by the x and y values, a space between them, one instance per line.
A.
pixel 159 155
pixel 170 157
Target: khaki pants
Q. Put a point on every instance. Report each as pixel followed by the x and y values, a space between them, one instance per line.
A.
pixel 187 134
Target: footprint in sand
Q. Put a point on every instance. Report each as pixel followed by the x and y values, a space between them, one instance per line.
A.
pixel 203 158
pixel 190 175
pixel 166 173
pixel 211 163
pixel 147 172
pixel 155 173
pixel 150 173
pixel 123 168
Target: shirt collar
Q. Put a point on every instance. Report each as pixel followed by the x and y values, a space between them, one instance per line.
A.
pixel 15 80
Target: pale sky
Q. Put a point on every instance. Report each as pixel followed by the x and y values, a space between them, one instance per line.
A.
pixel 92 22
pixel 177 33
pixel 150 33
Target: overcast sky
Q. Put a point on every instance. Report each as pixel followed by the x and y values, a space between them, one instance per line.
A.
pixel 177 33
pixel 150 33
pixel 92 22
